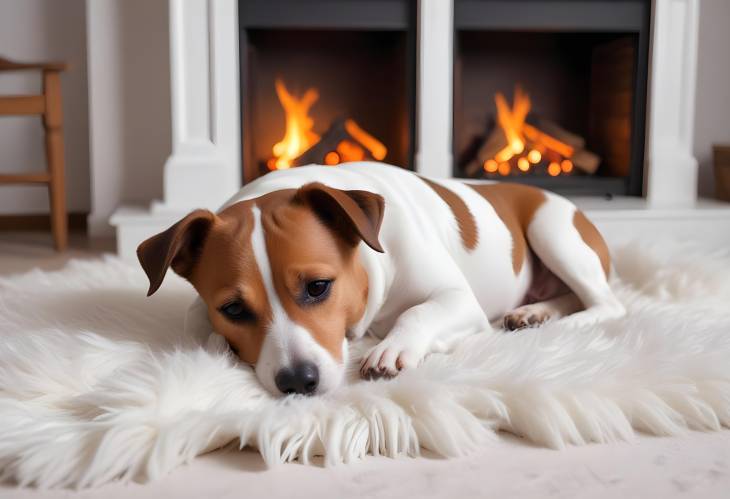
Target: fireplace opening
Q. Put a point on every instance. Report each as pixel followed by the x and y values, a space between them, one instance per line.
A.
pixel 551 93
pixel 325 89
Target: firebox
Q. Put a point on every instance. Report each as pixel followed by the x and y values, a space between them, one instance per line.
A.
pixel 326 82
pixel 552 93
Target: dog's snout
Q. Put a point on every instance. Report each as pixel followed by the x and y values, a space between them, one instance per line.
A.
pixel 303 379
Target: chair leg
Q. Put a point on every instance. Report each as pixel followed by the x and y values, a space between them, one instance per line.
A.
pixel 57 190
pixel 52 121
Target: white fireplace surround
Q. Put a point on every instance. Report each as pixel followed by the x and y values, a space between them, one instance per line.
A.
pixel 205 166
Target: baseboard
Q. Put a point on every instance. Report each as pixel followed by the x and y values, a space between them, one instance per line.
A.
pixel 38 222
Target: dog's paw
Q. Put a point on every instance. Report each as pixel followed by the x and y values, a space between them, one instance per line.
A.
pixel 525 316
pixel 388 358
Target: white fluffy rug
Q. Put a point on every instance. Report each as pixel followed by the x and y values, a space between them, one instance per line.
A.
pixel 98 383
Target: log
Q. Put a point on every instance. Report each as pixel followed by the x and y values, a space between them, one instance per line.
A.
pixel 553 129
pixel 496 141
pixel 586 160
pixel 336 133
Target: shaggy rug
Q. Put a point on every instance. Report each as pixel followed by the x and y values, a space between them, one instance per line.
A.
pixel 98 383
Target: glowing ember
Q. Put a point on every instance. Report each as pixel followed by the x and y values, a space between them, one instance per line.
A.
pixel 331 158
pixel 554 169
pixel 491 166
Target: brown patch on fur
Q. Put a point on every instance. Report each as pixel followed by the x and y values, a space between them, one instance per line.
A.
pixel 302 248
pixel 464 217
pixel 177 247
pixel 593 239
pixel 226 270
pixel 515 205
pixel 354 214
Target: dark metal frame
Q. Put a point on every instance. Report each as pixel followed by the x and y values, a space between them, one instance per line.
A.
pixel 321 15
pixel 627 16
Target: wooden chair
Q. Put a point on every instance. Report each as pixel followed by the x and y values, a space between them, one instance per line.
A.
pixel 47 105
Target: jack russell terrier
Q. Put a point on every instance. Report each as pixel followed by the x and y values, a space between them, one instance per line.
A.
pixel 300 260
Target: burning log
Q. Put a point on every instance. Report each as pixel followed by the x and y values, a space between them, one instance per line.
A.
pixel 553 129
pixel 343 141
pixel 495 142
pixel 586 160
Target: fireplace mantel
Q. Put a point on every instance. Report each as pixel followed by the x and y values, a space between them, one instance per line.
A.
pixel 205 166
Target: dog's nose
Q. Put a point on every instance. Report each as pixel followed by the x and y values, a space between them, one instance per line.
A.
pixel 303 378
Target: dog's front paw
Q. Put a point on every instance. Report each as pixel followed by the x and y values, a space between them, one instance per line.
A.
pixel 388 358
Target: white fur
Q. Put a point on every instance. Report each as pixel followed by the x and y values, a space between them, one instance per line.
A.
pixel 98 382
pixel 427 290
pixel 287 342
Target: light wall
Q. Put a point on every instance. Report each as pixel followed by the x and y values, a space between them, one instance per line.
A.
pixel 40 30
pixel 712 119
pixel 129 75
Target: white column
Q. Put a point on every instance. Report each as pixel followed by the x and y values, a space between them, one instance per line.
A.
pixel 434 156
pixel 204 168
pixel 671 168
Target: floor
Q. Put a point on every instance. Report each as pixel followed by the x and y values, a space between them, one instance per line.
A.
pixel 693 465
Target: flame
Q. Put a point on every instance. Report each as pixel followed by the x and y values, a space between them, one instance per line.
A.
pixel 512 121
pixel 522 137
pixel 299 135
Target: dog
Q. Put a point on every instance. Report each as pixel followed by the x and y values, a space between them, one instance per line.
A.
pixel 301 260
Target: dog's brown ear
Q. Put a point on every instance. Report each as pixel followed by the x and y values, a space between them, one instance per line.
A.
pixel 178 247
pixel 355 214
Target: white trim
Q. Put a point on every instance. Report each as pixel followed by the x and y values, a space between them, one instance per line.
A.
pixel 204 167
pixel 671 168
pixel 434 155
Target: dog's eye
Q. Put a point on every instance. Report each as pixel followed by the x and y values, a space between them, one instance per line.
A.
pixel 316 289
pixel 236 311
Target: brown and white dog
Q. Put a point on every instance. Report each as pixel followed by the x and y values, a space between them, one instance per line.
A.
pixel 303 259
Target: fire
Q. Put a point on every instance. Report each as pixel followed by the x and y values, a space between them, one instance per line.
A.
pixel 524 145
pixel 352 143
pixel 299 135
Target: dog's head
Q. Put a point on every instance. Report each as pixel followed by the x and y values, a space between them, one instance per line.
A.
pixel 281 277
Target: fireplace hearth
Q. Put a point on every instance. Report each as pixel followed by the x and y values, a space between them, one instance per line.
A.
pixel 209 101
pixel 326 82
pixel 575 73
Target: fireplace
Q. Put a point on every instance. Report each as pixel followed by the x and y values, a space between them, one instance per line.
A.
pixel 552 93
pixel 326 82
pixel 209 103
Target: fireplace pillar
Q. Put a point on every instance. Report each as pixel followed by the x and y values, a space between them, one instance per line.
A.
pixel 204 167
pixel 434 154
pixel 671 168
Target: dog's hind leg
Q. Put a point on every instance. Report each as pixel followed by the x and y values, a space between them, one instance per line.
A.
pixel 534 314
pixel 572 249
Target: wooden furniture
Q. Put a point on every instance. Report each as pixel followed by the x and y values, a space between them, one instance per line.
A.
pixel 48 106
pixel 721 156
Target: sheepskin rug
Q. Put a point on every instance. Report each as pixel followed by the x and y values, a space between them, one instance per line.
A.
pixel 98 383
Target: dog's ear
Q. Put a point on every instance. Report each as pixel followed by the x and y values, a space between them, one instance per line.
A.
pixel 178 247
pixel 355 215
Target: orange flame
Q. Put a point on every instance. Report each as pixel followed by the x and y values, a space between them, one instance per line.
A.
pixel 521 137
pixel 512 121
pixel 299 135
